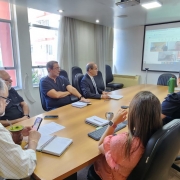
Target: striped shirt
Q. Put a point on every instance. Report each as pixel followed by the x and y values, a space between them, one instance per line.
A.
pixel 15 163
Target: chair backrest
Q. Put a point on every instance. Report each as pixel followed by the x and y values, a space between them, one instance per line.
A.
pixel 109 75
pixel 64 73
pixel 159 155
pixel 99 81
pixel 77 82
pixel 43 102
pixel 163 79
pixel 75 70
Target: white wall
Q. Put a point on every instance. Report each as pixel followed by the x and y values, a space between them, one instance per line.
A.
pixel 128 47
pixel 24 57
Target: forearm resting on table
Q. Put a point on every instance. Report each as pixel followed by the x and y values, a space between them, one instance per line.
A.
pixel 57 94
pixel 6 123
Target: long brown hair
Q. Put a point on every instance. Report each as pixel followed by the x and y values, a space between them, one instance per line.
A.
pixel 144 118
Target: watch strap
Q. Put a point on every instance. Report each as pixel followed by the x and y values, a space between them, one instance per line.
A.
pixel 112 124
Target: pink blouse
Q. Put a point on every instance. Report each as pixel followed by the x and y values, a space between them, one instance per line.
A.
pixel 114 165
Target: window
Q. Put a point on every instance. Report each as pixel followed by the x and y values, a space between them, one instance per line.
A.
pixel 43 28
pixel 6 49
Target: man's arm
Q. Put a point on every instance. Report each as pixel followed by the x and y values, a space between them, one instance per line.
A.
pixel 5 123
pixel 57 94
pixel 25 108
pixel 16 163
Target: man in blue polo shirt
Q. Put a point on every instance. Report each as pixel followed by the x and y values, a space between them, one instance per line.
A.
pixel 171 107
pixel 56 90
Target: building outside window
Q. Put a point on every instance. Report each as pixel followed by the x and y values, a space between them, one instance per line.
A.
pixel 43 28
pixel 7 60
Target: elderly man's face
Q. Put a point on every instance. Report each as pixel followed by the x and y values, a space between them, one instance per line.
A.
pixel 7 79
pixel 3 101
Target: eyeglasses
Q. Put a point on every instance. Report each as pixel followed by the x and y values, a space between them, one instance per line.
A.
pixel 57 68
pixel 7 99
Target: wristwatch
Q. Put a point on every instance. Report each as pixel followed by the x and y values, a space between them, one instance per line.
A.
pixel 112 124
pixel 27 115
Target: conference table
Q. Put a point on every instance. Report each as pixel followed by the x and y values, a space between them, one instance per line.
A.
pixel 84 150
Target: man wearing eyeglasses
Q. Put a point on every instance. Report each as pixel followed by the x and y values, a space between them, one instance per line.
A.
pixel 16 110
pixel 56 89
pixel 15 163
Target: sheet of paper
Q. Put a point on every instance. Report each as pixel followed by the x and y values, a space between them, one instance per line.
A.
pixel 114 96
pixel 50 128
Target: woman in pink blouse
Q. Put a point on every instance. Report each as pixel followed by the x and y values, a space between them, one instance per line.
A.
pixel 121 153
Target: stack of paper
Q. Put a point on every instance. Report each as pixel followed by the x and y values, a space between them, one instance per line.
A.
pixel 79 104
pixel 114 96
pixel 96 121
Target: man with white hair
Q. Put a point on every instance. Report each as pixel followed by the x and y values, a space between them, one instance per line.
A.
pixel 17 110
pixel 16 163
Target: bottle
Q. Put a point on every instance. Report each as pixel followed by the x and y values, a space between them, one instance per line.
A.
pixel 171 84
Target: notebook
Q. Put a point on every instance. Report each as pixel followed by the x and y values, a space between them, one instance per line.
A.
pixel 96 121
pixel 79 104
pixel 53 144
pixel 113 96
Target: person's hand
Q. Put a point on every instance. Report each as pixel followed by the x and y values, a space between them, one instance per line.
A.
pixel 25 131
pixel 34 136
pixel 85 100
pixel 120 116
pixel 105 96
pixel 105 93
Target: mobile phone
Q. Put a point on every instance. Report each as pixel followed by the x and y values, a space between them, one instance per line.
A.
pixel 37 123
pixel 51 117
pixel 124 107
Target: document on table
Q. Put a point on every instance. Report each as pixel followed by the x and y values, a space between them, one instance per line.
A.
pixel 114 96
pixel 50 128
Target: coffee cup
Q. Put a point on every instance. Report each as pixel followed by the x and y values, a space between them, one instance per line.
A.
pixel 109 115
pixel 16 131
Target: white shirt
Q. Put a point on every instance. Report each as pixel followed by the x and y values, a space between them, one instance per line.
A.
pixel 15 163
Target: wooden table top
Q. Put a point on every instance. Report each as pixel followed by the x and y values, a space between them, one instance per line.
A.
pixel 84 150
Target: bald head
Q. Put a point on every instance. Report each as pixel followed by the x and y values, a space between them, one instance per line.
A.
pixel 7 78
pixel 91 69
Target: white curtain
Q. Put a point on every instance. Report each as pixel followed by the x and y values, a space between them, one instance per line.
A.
pixel 82 42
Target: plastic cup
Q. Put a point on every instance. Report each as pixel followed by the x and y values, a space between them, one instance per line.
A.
pixel 16 132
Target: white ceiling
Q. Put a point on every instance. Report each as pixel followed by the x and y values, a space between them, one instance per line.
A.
pixel 107 12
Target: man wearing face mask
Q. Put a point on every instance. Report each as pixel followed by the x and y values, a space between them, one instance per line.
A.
pixel 16 163
pixel 17 110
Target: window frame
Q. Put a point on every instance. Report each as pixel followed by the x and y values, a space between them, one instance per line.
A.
pixel 41 27
pixel 13 33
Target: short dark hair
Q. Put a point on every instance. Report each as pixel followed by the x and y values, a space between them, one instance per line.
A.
pixel 50 64
pixel 89 66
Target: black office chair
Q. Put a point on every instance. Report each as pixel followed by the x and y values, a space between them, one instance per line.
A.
pixel 163 79
pixel 75 70
pixel 159 155
pixel 77 81
pixel 99 81
pixel 109 78
pixel 43 102
pixel 64 73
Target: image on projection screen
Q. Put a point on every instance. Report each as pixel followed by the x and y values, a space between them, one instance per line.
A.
pixel 162 47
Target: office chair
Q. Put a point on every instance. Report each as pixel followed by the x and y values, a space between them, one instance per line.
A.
pixel 99 81
pixel 64 73
pixel 77 81
pixel 160 153
pixel 43 102
pixel 75 70
pixel 163 79
pixel 109 78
